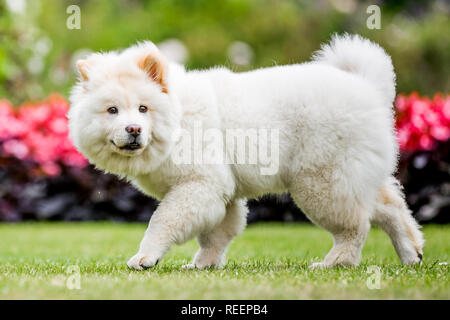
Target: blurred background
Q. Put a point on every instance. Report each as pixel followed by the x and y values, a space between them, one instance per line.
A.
pixel 42 177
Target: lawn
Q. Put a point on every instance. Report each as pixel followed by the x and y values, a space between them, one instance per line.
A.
pixel 269 261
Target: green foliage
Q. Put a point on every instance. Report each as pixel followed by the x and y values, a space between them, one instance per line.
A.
pixel 278 32
pixel 20 45
pixel 269 261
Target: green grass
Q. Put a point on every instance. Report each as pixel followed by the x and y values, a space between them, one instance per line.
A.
pixel 269 261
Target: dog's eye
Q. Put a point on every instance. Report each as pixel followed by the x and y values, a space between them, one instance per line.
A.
pixel 113 110
pixel 143 109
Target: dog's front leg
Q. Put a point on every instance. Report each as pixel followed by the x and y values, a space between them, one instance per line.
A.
pixel 185 211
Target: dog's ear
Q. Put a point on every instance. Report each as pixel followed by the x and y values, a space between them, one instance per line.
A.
pixel 155 69
pixel 82 68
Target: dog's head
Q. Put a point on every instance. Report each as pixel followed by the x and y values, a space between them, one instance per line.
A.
pixel 122 116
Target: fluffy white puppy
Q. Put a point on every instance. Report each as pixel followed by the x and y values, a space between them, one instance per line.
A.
pixel 335 145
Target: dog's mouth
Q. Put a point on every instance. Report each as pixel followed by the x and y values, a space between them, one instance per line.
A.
pixel 132 146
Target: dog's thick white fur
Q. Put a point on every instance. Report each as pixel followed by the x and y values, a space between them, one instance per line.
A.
pixel 337 145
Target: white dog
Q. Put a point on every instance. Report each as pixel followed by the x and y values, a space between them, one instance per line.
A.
pixel 337 152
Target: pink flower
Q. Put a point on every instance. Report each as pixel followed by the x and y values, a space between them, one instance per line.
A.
pixel 16 148
pixel 58 126
pixel 417 123
pixel 59 105
pixel 426 143
pixel 34 115
pixel 51 168
pixel 441 133
pixel 75 159
pixel 419 107
pixel 446 110
pixel 432 117
pixel 422 122
pixel 6 109
pixel 402 103
pixel 39 132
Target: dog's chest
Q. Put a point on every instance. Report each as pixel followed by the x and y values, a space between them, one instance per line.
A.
pixel 152 185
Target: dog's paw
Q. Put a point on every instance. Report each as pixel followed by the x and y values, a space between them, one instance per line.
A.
pixel 413 259
pixel 142 261
pixel 188 266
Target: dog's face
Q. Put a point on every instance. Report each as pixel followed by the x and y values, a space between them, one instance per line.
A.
pixel 121 117
pixel 120 114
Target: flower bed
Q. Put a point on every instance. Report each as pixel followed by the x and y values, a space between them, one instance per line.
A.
pixel 42 175
pixel 422 123
pixel 39 133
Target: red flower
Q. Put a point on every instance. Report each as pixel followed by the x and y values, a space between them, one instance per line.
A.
pixel 39 132
pixel 16 148
pixel 51 168
pixel 422 122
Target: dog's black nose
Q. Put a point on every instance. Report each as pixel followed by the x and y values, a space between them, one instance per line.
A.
pixel 134 130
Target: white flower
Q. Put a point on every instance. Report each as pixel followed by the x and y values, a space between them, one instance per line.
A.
pixel 174 50
pixel 42 46
pixel 240 53
pixel 35 64
pixel 16 6
pixel 344 6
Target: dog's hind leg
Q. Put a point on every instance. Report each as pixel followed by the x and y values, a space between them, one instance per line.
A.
pixel 348 242
pixel 394 217
pixel 215 242
pixel 333 205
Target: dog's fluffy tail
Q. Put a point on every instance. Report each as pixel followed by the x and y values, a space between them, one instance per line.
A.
pixel 361 56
